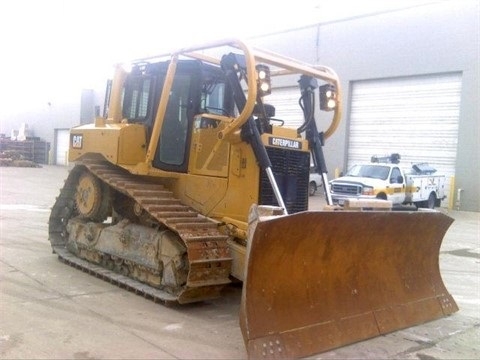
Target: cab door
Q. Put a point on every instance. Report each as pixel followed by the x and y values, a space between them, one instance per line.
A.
pixel 173 149
pixel 396 187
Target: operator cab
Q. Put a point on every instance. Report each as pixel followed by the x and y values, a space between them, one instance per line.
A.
pixel 197 88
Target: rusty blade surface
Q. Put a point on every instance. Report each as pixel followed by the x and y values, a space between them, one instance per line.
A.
pixel 320 280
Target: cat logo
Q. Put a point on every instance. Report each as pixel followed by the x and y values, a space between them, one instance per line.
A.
pixel 77 141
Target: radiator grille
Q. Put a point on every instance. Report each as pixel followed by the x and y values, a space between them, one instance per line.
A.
pixel 291 171
pixel 342 188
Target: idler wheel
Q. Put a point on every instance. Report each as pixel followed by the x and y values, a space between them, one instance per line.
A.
pixel 92 198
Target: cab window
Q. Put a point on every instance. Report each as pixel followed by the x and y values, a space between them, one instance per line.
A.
pixel 136 98
pixel 213 98
pixel 395 177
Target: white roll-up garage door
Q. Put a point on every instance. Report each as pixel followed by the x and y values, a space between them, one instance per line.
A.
pixel 62 140
pixel 416 117
pixel 285 101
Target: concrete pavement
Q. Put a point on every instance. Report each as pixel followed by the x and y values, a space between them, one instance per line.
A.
pixel 50 310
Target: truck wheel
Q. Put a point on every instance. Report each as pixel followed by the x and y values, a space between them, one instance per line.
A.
pixel 312 188
pixel 431 201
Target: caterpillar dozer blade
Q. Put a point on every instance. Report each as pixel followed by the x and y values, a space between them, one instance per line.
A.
pixel 320 280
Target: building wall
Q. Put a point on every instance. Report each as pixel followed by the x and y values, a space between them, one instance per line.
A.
pixel 48 114
pixel 87 109
pixel 44 115
pixel 428 39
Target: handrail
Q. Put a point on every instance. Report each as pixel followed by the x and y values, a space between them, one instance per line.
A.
pixel 283 64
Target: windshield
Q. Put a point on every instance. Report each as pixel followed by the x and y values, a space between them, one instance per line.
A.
pixel 213 96
pixel 216 95
pixel 369 171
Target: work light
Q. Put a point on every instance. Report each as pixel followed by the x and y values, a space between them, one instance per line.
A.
pixel 328 97
pixel 263 80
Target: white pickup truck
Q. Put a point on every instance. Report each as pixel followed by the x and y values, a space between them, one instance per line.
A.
pixel 419 186
pixel 315 182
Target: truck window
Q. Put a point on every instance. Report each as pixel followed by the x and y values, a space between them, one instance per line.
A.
pixel 396 176
pixel 369 171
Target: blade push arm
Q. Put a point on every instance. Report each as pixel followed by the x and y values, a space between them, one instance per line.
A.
pixel 315 139
pixel 233 65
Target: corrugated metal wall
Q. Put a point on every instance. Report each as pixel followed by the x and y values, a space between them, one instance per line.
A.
pixel 285 101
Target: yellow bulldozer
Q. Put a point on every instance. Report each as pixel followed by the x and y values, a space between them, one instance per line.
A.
pixel 191 180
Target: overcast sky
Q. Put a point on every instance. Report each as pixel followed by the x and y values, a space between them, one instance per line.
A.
pixel 54 45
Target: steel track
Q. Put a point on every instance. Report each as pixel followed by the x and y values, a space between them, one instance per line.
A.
pixel 207 249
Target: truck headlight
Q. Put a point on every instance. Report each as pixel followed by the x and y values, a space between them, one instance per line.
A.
pixel 367 190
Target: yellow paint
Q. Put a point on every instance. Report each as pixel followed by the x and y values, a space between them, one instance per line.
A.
pixel 118 143
pixel 337 172
pixel 162 108
pixel 389 191
pixel 452 192
pixel 222 178
pixel 209 155
pixel 243 188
